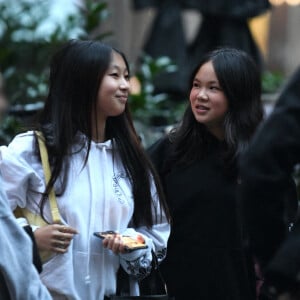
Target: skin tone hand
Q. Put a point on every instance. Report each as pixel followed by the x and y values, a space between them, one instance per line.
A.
pixel 115 243
pixel 54 237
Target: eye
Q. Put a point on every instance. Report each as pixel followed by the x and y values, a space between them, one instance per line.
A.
pixel 215 88
pixel 127 77
pixel 195 84
pixel 115 74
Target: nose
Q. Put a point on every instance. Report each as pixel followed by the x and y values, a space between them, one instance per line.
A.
pixel 202 94
pixel 124 84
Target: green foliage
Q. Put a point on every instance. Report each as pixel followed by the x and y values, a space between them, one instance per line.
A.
pixel 94 14
pixel 20 58
pixel 146 105
pixel 25 51
pixel 271 81
pixel 10 125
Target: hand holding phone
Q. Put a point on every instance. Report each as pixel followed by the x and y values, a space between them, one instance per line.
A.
pixel 130 243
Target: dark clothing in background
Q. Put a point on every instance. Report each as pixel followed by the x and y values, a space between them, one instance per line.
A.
pixel 266 170
pixel 219 31
pixel 205 258
pixel 225 23
pixel 232 8
pixel 167 39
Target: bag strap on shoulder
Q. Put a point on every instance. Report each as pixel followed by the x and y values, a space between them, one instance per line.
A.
pixel 47 172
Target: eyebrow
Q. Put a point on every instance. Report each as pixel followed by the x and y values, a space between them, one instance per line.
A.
pixel 210 82
pixel 118 67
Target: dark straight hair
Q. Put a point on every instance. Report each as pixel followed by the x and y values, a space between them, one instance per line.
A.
pixel 240 79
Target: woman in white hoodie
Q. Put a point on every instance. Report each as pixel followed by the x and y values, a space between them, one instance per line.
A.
pixel 102 177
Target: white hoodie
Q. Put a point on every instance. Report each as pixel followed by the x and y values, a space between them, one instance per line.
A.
pixel 98 197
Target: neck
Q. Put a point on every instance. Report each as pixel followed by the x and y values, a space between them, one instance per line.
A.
pixel 98 134
pixel 98 138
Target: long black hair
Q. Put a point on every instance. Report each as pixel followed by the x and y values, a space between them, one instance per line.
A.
pixel 76 72
pixel 240 80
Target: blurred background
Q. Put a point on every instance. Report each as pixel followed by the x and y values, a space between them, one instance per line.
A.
pixel 163 40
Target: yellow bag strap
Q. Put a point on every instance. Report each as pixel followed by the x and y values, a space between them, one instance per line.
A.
pixel 47 172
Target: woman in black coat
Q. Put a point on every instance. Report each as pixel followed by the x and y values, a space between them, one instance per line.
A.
pixel 197 162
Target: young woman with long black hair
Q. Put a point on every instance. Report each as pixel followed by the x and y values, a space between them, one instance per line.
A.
pixel 197 162
pixel 100 171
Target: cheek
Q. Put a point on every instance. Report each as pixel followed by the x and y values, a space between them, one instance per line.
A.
pixel 220 103
pixel 221 111
pixel 193 96
pixel 224 106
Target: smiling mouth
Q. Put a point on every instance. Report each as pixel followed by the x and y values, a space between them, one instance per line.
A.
pixel 122 98
pixel 201 108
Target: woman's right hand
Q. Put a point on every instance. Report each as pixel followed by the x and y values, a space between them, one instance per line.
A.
pixel 54 237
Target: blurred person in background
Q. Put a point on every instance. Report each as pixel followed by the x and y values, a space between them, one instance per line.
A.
pixel 19 279
pixel 267 168
pixel 3 100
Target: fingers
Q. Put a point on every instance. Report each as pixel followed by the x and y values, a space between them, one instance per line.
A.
pixel 62 238
pixel 114 243
pixel 67 229
pixel 64 232
pixel 140 239
pixel 61 243
pixel 61 246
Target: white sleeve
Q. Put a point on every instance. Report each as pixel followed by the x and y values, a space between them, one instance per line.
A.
pixel 16 266
pixel 22 172
pixel 138 262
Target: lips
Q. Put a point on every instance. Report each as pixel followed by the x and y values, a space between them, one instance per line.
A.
pixel 201 108
pixel 122 98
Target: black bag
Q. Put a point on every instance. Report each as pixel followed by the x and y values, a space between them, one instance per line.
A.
pixel 152 287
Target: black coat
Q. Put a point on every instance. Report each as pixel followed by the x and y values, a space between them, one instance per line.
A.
pixel 205 257
pixel 266 170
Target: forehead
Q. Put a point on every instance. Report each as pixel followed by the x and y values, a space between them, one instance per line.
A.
pixel 117 61
pixel 206 72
